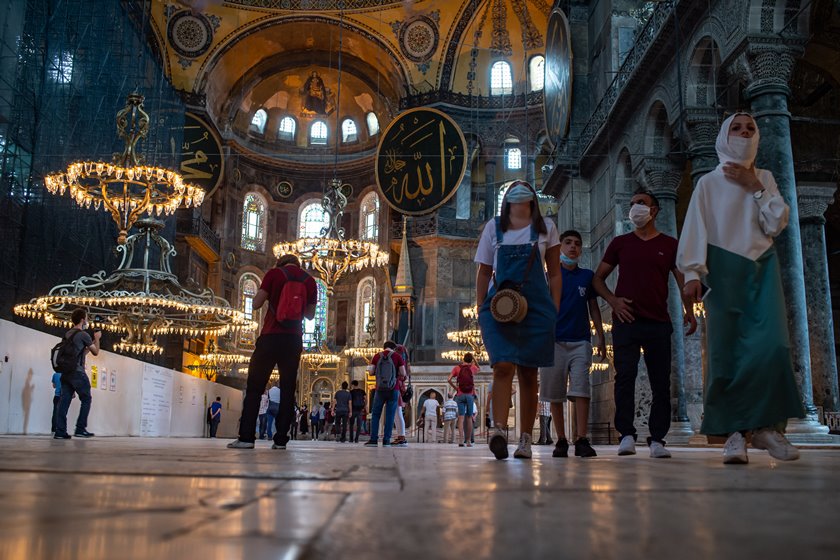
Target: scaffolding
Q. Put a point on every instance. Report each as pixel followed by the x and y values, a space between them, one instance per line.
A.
pixel 66 67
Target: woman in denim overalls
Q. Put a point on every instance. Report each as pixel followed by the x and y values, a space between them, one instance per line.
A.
pixel 504 251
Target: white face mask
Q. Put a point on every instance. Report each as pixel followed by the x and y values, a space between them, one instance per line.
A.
pixel 743 149
pixel 639 215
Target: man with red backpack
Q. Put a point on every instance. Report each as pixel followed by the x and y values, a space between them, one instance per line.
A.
pixel 462 380
pixel 292 295
pixel 388 367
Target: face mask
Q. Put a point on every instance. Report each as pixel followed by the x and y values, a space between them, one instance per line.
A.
pixel 639 215
pixel 567 260
pixel 743 149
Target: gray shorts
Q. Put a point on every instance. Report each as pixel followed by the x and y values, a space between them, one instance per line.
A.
pixel 572 361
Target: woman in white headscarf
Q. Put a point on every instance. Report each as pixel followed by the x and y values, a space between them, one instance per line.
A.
pixel 727 240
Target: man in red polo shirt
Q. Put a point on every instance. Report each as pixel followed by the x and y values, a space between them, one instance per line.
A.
pixel 644 257
pixel 279 344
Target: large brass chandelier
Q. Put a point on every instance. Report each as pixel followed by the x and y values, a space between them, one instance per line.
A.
pixel 470 339
pixel 319 355
pixel 370 349
pixel 331 255
pixel 127 188
pixel 142 299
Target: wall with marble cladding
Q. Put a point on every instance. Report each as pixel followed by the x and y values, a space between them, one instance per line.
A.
pixel 26 392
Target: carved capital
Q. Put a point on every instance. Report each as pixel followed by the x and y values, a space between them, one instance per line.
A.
pixel 660 176
pixel 814 199
pixel 767 65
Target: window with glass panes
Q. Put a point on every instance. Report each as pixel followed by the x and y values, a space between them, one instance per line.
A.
pixel 319 322
pixel 312 219
pixel 253 223
pixel 369 222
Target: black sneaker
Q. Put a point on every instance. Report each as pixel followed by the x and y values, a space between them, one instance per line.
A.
pixel 561 449
pixel 83 433
pixel 372 443
pixel 62 436
pixel 583 449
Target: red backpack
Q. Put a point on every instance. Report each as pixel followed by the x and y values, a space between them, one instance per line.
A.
pixel 292 302
pixel 466 384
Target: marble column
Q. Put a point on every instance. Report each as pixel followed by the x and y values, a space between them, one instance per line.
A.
pixel 813 201
pixel 463 196
pixel 769 67
pixel 490 187
pixel 531 169
pixel 662 178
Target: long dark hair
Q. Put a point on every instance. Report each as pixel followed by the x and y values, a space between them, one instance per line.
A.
pixel 536 216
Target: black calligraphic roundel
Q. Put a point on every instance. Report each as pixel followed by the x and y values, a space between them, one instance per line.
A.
pixel 202 161
pixel 557 100
pixel 420 161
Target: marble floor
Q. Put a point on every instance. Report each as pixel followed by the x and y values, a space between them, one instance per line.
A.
pixel 127 498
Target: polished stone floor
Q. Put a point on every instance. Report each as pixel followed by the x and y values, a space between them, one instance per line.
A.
pixel 128 498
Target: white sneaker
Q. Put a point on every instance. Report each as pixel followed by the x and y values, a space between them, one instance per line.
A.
pixel 735 450
pixel 658 451
pixel 241 445
pixel 627 446
pixel 775 443
pixel 523 450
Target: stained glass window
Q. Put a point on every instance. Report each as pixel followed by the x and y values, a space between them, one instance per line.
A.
pixel 249 283
pixel 286 130
pixel 372 124
pixel 536 69
pixel 258 122
pixel 348 131
pixel 365 309
pixel 312 219
pixel 369 222
pixel 318 133
pixel 253 223
pixel 501 79
pixel 319 322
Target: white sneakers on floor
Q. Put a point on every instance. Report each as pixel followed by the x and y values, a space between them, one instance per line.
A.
pixel 735 450
pixel 523 450
pixel 658 451
pixel 627 446
pixel 775 443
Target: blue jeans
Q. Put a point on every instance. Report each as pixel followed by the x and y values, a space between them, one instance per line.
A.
pixel 263 424
pixel 80 384
pixel 465 404
pixel 388 399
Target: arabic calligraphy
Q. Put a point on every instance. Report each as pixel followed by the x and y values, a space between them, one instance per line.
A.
pixel 420 161
pixel 202 161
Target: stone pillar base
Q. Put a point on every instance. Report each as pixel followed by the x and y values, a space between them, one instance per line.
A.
pixel 680 433
pixel 808 430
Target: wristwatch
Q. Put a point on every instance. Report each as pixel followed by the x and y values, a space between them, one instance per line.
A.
pixel 758 194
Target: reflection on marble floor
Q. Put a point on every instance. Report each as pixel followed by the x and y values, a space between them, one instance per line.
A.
pixel 192 498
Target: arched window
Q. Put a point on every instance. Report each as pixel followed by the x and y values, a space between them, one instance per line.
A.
pixel 536 71
pixel 369 218
pixel 365 298
pixel 372 124
pixel 513 158
pixel 318 133
pixel 258 121
pixel 348 131
pixel 319 322
pixel 501 79
pixel 249 283
pixel 312 219
pixel 253 222
pixel 286 130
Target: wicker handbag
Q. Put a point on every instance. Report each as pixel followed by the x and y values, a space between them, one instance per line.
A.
pixel 508 304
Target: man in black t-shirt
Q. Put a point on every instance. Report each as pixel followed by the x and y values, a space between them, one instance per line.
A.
pixel 341 409
pixel 357 406
pixel 78 381
pixel 641 322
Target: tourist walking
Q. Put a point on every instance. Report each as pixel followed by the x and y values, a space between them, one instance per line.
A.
pixel 304 421
pixel 402 387
pixel 462 379
pixel 273 409
pixel 357 407
pixel 450 419
pixel 568 378
pixel 342 411
pixel 315 418
pixel 263 416
pixel 641 323
pixel 77 382
pixel 292 295
pixel 56 383
pixel 387 367
pixel 512 251
pixel 215 416
pixel 431 408
pixel 727 240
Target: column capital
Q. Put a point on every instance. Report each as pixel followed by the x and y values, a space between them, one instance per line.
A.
pixel 814 199
pixel 767 65
pixel 660 175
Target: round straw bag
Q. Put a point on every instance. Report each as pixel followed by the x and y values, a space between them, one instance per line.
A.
pixel 508 306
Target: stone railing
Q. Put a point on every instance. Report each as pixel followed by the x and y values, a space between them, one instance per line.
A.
pixel 472 101
pixel 434 225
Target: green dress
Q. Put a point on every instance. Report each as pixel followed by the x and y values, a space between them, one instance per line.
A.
pixel 749 372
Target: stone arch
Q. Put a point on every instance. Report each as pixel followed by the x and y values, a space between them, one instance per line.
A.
pixel 624 181
pixel 703 88
pixel 658 136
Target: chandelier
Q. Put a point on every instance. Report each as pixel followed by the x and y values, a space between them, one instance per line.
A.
pixel 370 349
pixel 141 299
pixel 470 339
pixel 214 361
pixel 320 355
pixel 331 255
pixel 127 188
